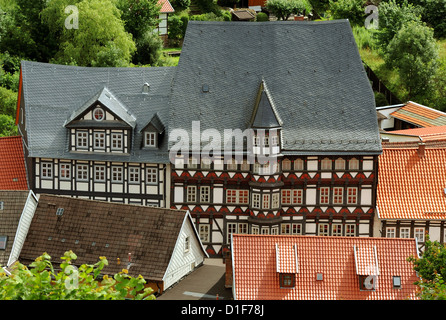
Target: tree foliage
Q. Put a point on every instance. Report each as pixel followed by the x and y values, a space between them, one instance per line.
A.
pixel 283 9
pixel 431 267
pixel 353 10
pixel 413 51
pixel 42 282
pixel 7 126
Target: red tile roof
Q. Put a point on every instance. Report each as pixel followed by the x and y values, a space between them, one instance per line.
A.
pixel 426 134
pixel 420 115
pixel 410 186
pixel 256 275
pixel 12 164
pixel 166 7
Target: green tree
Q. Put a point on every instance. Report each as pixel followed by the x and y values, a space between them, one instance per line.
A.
pixel 431 267
pixel 42 282
pixel 8 101
pixel 413 51
pixel 100 35
pixel 7 126
pixel 149 49
pixel 180 5
pixel 283 9
pixel 353 10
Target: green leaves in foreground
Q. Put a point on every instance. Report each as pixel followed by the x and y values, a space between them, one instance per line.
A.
pixel 41 282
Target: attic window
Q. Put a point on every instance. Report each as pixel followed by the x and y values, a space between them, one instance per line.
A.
pixel 319 276
pixel 205 88
pixel 3 240
pixel 287 280
pixel 59 211
pixel 396 280
pixel 98 114
pixel 145 88
pixel 150 139
pixel 2 205
pixel 367 282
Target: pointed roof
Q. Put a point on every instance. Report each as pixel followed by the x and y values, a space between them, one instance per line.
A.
pixel 156 122
pixel 265 114
pixel 108 100
pixel 12 164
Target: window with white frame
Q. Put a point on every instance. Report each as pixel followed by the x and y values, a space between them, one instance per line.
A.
pixel 266 141
pixel 192 163
pixel 336 229
pixel 99 140
pixel 264 230
pixel 187 244
pixel 116 174
pixel 350 230
pixel 296 228
pixel 151 175
pixel 404 232
pixel 340 164
pixel 323 229
pixel 265 201
pixel 255 230
pixel 98 114
pixel 134 173
pixel 116 141
pixel 82 139
pixel 46 170
pixel 150 139
pixel 82 172
pixel 292 196
pixel 205 164
pixel 338 195
pixel 191 194
pixel 419 234
pixel 236 227
pixel 353 164
pixel 286 165
pixel 205 192
pixel 274 140
pixel 285 228
pixel 390 232
pixel 275 201
pixel 204 232
pixel 256 200
pixel 256 141
pixel 237 196
pixel 299 164
pixel 352 195
pixel 326 164
pixel 291 228
pixel 99 173
pixel 2 205
pixel 324 195
pixel 65 171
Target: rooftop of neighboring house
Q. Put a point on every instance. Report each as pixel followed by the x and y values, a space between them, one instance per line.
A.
pixel 412 181
pixel 166 6
pixel 12 164
pixel 324 268
pixel 12 203
pixel 420 115
pixel 425 134
pixel 95 228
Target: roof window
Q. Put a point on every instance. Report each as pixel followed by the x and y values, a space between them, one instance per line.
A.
pixel 3 240
pixel 396 280
pixel 59 211
pixel 145 88
pixel 2 204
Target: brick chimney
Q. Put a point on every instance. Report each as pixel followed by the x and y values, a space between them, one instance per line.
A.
pixel 421 148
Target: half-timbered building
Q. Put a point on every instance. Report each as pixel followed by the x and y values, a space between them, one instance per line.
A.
pixel 297 95
pixel 96 133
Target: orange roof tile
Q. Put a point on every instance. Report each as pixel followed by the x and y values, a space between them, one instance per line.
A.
pixel 410 186
pixel 420 115
pixel 166 7
pixel 255 276
pixel 426 134
pixel 12 164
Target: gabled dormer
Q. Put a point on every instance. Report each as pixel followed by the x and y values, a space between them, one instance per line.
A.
pixel 102 124
pixel 266 123
pixel 152 132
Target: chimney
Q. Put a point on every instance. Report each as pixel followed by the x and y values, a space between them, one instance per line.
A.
pixel 421 148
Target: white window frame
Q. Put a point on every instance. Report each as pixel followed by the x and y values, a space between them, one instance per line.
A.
pixel 150 139
pixel 274 140
pixel 151 175
pixel 99 140
pixel 419 233
pixel 2 205
pixel 205 194
pixel 352 198
pixel 232 165
pixel 237 196
pixel 390 232
pixel 134 175
pixel 99 169
pixel 82 171
pixel 256 200
pixel 350 230
pixel 336 229
pixel 82 139
pixel 64 171
pixel 191 194
pixel 323 229
pixel 291 196
pixel 275 200
pixel 117 174
pixel 100 110
pixel 204 232
pixel 338 195
pixel 324 192
pixel 46 170
pixel 116 141
pixel 404 232
pixel 266 201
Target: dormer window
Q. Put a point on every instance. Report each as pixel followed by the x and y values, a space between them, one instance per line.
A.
pixel 287 280
pixel 98 114
pixel 150 139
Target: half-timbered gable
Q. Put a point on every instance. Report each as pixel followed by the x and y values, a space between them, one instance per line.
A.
pixel 300 123
pixel 84 131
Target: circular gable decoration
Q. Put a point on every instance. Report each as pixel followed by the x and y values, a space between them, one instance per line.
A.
pixel 98 114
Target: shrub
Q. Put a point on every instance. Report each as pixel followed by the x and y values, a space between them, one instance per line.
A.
pixel 262 16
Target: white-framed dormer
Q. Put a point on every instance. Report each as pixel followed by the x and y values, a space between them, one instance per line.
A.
pixel 152 133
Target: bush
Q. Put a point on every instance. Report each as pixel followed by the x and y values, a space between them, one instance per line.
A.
pixel 262 16
pixel 180 5
pixel 8 102
pixel 353 10
pixel 148 49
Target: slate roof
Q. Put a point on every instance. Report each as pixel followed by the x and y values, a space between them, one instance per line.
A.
pixel 54 94
pixel 257 264
pixel 420 115
pixel 12 164
pixel 313 72
pixel 96 228
pixel 13 204
pixel 410 186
